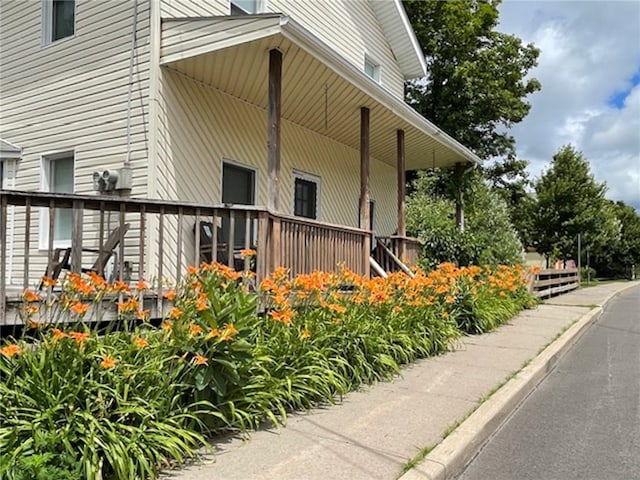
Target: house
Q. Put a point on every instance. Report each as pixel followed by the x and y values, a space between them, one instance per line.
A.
pixel 286 116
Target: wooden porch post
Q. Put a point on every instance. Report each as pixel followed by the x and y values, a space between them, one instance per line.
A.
pixel 402 181
pixel 365 214
pixel 274 113
pixel 458 174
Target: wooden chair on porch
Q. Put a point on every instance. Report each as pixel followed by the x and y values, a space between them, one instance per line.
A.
pixel 207 230
pixel 61 256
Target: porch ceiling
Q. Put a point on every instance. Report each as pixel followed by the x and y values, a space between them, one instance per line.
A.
pixel 320 91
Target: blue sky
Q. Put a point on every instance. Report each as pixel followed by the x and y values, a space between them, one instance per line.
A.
pixel 617 100
pixel 589 67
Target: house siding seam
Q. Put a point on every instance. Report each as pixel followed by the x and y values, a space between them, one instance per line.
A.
pixel 72 95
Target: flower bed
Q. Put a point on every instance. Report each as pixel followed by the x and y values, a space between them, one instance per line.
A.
pixel 124 404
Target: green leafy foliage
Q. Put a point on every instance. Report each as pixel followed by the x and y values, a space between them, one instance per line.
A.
pixel 570 202
pixel 477 77
pixel 124 404
pixel 489 237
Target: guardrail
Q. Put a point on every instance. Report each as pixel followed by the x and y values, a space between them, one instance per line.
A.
pixel 548 283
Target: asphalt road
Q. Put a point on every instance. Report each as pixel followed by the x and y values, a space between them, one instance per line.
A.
pixel 583 420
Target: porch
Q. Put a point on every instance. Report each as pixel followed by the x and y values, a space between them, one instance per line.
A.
pixel 163 237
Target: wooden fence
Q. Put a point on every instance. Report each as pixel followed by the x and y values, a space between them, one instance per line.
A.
pixel 548 283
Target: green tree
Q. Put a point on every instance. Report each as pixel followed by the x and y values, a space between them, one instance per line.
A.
pixel 616 258
pixel 571 202
pixel 476 86
pixel 489 238
pixel 475 90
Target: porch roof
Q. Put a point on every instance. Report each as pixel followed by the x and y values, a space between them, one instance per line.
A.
pixel 321 90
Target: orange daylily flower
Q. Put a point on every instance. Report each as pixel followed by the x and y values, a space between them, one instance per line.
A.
pixel 143 314
pixel 170 295
pixel 202 303
pixel 285 316
pixel 58 334
pixel 142 285
pixel 175 312
pixel 128 306
pixel 200 360
pixel 10 350
pixel 140 342
pixel 30 310
pixel 191 270
pixel 228 332
pixel 247 252
pixel 31 296
pixel 108 362
pixel 195 329
pixel 79 337
pixel 213 333
pixel 48 282
pixel 167 325
pixel 304 334
pixel 80 308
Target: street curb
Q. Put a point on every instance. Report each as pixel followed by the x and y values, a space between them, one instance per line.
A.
pixel 449 458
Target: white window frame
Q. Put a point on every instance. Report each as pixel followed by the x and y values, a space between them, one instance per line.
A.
pixel 246 166
pixel 309 177
pixel 375 66
pixel 261 7
pixel 47 23
pixel 46 160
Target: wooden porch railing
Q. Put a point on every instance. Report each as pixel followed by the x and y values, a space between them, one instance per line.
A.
pixel 405 249
pixel 307 245
pixel 163 238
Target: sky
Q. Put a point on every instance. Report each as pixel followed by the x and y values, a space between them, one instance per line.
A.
pixel 589 67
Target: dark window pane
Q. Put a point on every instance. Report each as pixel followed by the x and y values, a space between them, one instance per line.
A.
pixel 237 189
pixel 305 198
pixel 63 19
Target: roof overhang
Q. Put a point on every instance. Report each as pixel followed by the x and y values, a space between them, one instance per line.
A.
pixel 397 28
pixel 321 90
pixel 9 151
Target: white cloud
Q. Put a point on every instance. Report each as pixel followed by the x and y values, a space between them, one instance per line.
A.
pixel 589 51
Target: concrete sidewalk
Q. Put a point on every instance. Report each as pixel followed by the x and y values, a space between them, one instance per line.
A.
pixel 374 432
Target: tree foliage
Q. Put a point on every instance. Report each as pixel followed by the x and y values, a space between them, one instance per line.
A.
pixel 616 258
pixel 488 239
pixel 476 83
pixel 571 202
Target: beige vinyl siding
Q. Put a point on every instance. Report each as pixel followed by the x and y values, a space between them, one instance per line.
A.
pixel 201 126
pixel 352 29
pixel 193 8
pixel 71 95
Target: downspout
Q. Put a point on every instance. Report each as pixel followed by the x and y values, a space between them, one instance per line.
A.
pixel 134 41
pixel 12 220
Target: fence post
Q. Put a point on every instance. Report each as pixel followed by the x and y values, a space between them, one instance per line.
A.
pixel 76 236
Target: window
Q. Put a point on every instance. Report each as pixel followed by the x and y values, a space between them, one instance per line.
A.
pixel 372 69
pixel 305 195
pixel 244 7
pixel 58 19
pixel 58 172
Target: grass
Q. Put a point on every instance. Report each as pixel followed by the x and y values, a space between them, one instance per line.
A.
pixel 419 457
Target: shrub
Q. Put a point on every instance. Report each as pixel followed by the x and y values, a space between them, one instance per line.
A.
pixel 125 403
